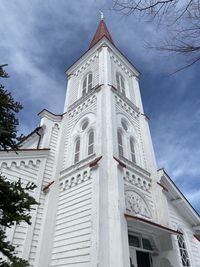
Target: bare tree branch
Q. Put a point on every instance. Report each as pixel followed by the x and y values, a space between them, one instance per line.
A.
pixel 181 17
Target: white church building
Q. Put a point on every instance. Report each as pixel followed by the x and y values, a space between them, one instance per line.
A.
pixel 103 202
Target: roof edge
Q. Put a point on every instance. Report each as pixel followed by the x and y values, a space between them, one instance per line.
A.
pixel 186 201
pixel 98 45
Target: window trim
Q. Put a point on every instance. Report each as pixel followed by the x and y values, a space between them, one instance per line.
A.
pixel 183 250
pixel 132 149
pixel 140 238
pixel 120 146
pixel 88 85
pixel 85 120
pixel 77 152
pixel 120 82
pixel 88 142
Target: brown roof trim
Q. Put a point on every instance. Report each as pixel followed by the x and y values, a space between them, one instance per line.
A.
pixel 153 224
pixel 179 191
pixel 122 164
pixel 95 162
pixel 197 237
pixel 25 149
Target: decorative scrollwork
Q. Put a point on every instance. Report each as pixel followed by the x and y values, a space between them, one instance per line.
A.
pixel 136 205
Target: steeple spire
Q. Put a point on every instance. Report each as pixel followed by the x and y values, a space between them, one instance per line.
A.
pixel 102 31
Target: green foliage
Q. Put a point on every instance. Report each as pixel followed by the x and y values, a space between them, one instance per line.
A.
pixel 15 201
pixel 9 251
pixel 15 207
pixel 8 121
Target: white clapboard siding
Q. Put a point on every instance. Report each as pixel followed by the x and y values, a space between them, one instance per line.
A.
pixel 27 172
pixel 72 237
pixel 192 244
pixel 46 179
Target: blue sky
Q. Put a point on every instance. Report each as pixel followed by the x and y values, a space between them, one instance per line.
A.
pixel 40 39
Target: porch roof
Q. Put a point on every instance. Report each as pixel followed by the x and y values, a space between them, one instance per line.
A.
pixel 150 226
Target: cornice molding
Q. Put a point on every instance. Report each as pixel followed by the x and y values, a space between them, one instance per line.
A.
pixel 81 104
pixel 23 154
pixel 126 103
pixel 104 41
pixel 49 115
pixel 135 168
pixel 77 167
pixel 82 63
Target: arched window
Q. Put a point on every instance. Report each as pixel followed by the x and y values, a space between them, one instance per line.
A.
pixel 183 251
pixel 87 84
pixel 77 150
pixel 120 83
pixel 132 150
pixel 120 143
pixel 91 143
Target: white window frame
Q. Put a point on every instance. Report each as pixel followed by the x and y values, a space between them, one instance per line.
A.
pixel 88 84
pixel 90 144
pixel 77 152
pixel 132 151
pixel 120 82
pixel 141 237
pixel 120 146
pixel 183 250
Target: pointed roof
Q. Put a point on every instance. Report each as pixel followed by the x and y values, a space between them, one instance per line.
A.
pixel 102 31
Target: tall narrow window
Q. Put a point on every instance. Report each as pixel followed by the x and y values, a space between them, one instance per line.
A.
pixel 132 150
pixel 87 84
pixel 77 150
pixel 120 143
pixel 183 251
pixel 84 86
pixel 89 81
pixel 91 142
pixel 120 83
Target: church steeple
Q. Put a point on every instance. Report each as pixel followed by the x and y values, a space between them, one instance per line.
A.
pixel 102 31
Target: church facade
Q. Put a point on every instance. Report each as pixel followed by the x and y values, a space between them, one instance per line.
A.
pixel 103 203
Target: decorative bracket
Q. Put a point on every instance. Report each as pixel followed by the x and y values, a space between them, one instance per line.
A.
pixel 95 162
pixel 122 164
pixel 46 187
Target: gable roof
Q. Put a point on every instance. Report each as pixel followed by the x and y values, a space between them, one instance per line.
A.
pixel 178 199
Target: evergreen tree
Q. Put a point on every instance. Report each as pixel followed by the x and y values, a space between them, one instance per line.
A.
pixel 15 201
pixel 8 120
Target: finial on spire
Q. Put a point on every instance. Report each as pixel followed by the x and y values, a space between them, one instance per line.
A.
pixel 102 15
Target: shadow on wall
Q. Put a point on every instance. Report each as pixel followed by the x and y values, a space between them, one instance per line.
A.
pixel 165 263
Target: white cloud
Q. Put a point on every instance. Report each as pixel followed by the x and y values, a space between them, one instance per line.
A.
pixel 194 197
